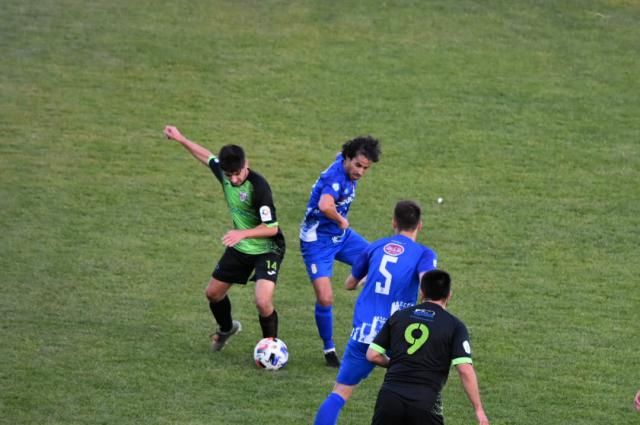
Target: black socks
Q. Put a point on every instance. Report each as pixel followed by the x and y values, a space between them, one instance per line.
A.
pixel 269 325
pixel 222 313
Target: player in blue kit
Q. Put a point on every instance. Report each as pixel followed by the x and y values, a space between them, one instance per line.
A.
pixel 393 267
pixel 325 233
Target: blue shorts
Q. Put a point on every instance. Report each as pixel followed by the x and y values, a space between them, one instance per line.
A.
pixel 319 256
pixel 354 367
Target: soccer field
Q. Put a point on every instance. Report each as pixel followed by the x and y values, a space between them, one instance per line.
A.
pixel 522 115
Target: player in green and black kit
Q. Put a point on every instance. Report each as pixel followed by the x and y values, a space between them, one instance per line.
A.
pixel 255 244
pixel 423 342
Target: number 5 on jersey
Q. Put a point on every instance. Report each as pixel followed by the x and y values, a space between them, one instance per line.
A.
pixel 385 287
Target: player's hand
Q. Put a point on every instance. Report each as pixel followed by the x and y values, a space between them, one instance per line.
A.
pixel 636 401
pixel 362 282
pixel 482 418
pixel 232 237
pixel 344 224
pixel 172 132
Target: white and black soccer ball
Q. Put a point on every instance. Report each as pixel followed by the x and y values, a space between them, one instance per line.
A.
pixel 271 354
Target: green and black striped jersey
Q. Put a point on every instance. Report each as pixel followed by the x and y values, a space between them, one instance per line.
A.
pixel 250 205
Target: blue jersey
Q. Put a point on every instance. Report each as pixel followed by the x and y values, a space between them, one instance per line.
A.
pixel 392 266
pixel 333 181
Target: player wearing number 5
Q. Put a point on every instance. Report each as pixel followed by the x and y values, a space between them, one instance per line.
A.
pixel 392 267
pixel 424 342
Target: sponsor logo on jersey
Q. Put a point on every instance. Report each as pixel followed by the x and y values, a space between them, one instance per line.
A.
pixel 427 315
pixel 265 213
pixel 393 249
pixel 243 196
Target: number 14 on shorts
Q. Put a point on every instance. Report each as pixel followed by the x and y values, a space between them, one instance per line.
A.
pixel 272 267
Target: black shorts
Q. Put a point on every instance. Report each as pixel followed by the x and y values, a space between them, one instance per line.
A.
pixel 236 266
pixel 392 409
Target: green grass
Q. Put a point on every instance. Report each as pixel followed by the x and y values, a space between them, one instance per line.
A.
pixel 522 115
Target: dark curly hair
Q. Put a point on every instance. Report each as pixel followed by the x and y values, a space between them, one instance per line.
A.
pixel 366 146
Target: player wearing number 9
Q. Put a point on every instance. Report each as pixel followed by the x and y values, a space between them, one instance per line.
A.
pixel 424 341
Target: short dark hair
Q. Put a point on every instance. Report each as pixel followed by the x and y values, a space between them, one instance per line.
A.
pixel 231 158
pixel 366 146
pixel 407 215
pixel 435 285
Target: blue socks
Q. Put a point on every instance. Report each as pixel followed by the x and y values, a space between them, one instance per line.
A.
pixel 329 410
pixel 324 322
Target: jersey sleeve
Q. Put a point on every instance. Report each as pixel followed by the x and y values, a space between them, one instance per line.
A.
pixel 461 347
pixel 263 202
pixel 331 186
pixel 428 261
pixel 331 180
pixel 214 165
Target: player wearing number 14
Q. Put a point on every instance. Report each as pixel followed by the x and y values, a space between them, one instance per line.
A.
pixel 254 245
pixel 392 267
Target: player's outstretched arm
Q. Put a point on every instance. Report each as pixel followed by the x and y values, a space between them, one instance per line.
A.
pixel 470 383
pixel 200 153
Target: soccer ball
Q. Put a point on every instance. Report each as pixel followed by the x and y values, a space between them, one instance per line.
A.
pixel 271 354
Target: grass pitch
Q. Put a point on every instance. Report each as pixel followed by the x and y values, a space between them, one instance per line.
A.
pixel 522 115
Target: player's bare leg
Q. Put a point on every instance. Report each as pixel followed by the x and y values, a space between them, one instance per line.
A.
pixel 343 390
pixel 216 290
pixel 324 291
